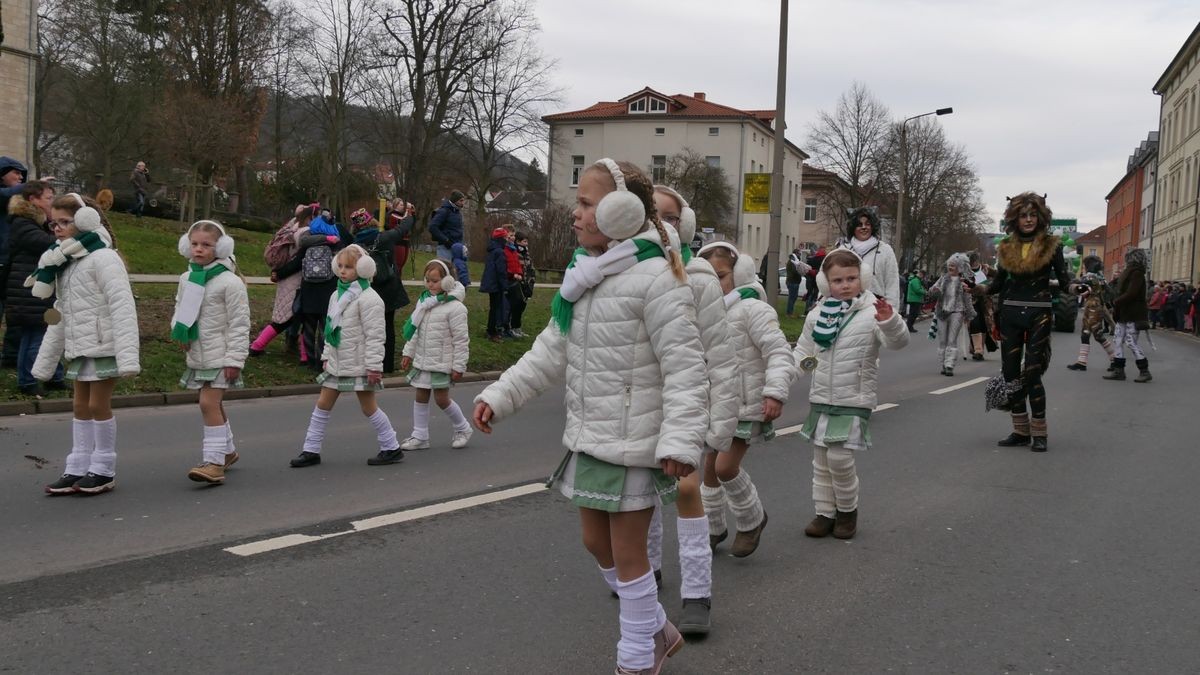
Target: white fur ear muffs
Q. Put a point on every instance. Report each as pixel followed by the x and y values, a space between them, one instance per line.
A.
pixel 620 213
pixel 224 242
pixel 687 217
pixel 864 277
pixel 87 219
pixel 448 281
pixel 365 268
pixel 744 271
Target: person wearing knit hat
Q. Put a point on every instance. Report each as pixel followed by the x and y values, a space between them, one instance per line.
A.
pixel 353 358
pixel 446 229
pixel 212 323
pixel 495 282
pixel 283 247
pixel 93 326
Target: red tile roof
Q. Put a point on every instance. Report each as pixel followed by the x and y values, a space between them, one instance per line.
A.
pixel 1095 236
pixel 678 105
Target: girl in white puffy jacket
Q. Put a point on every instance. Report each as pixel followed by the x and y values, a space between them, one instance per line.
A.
pixel 839 348
pixel 93 327
pixel 623 335
pixel 764 376
pixel 352 358
pixel 212 322
pixel 435 353
pixel 695 551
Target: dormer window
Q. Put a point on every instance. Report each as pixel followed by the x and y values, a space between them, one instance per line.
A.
pixel 658 105
pixel 647 104
pixel 638 106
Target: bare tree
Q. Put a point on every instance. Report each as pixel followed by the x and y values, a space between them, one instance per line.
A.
pixel 852 142
pixel 706 188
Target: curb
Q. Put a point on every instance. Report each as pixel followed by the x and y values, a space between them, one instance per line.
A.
pixel 154 399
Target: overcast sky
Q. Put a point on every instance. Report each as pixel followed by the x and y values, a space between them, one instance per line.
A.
pixel 1050 96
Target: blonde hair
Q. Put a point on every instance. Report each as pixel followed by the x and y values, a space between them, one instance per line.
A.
pixel 443 267
pixel 639 185
pixel 352 252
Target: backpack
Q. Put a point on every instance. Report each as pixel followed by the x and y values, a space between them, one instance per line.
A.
pixel 318 264
pixel 385 264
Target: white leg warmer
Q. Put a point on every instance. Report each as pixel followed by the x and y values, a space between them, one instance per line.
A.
pixel 230 448
pixel 214 445
pixel 610 577
pixel 420 421
pixel 845 479
pixel 743 501
pixel 315 437
pixel 695 558
pixel 1084 349
pixel 713 499
pixel 654 540
pixel 104 457
pixel 641 617
pixel 822 484
pixel 456 416
pixel 83 442
pixel 384 432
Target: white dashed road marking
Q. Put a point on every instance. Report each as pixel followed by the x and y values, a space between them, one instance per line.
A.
pixel 956 387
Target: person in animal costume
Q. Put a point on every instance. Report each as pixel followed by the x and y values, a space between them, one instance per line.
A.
pixel 953 309
pixel 983 326
pixel 1130 315
pixel 1097 320
pixel 1030 258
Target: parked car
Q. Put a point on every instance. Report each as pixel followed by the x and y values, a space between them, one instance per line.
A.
pixel 783 282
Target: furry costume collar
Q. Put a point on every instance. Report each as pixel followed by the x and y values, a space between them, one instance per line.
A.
pixel 1040 253
pixel 19 207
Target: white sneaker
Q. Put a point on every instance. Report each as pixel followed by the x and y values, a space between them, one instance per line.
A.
pixel 414 443
pixel 460 438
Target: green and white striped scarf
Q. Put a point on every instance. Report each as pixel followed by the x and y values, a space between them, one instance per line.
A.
pixel 59 255
pixel 185 325
pixel 426 302
pixel 347 292
pixel 829 321
pixel 586 271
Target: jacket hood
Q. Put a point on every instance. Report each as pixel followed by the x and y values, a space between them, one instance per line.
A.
pixel 7 163
pixel 852 222
pixel 19 207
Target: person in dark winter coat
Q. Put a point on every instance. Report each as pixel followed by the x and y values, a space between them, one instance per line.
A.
pixel 12 179
pixel 1131 316
pixel 495 281
pixel 312 302
pixel 29 237
pixel 140 180
pixel 514 296
pixel 402 217
pixel 446 228
pixel 381 246
pixel 814 265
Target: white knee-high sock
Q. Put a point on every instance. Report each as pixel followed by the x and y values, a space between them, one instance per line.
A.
pixel 315 437
pixel 83 442
pixel 104 457
pixel 845 478
pixel 822 484
pixel 230 448
pixel 695 558
pixel 610 577
pixel 384 433
pixel 743 501
pixel 713 499
pixel 641 617
pixel 1108 347
pixel 654 540
pixel 420 421
pixel 456 416
pixel 214 445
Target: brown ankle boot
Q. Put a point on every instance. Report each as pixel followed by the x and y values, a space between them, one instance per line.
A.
pixel 845 524
pixel 745 543
pixel 821 526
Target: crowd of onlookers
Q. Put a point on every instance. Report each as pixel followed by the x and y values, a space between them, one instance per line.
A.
pixel 1174 306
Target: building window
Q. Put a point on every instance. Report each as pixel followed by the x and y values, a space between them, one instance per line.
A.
pixel 657 105
pixel 754 138
pixel 714 131
pixel 576 169
pixel 658 168
pixel 579 132
pixel 638 106
pixel 810 210
pixel 660 131
pixel 713 160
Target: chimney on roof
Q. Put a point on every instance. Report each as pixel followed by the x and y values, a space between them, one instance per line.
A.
pixel 699 95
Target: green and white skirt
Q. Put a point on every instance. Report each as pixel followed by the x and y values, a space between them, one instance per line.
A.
pixel 748 431
pixel 427 379
pixel 849 427
pixel 347 382
pixel 92 369
pixel 196 378
pixel 595 484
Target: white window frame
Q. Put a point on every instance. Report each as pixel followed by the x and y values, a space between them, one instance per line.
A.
pixel 810 203
pixel 713 160
pixel 714 131
pixel 656 105
pixel 637 107
pixel 578 162
pixel 578 133
pixel 660 131
pixel 658 168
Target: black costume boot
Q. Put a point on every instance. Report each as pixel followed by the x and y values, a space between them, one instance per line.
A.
pixel 1020 433
pixel 1037 428
pixel 1143 371
pixel 1118 370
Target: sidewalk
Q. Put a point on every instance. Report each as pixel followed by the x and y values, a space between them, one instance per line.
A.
pixel 158 398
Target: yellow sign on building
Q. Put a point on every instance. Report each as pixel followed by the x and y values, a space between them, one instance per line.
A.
pixel 756 195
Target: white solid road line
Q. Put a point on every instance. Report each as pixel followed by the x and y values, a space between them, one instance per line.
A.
pixel 289 540
pixel 786 431
pixel 956 387
pixel 886 406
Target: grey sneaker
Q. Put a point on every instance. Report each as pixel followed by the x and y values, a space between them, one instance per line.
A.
pixel 414 443
pixel 461 438
pixel 694 619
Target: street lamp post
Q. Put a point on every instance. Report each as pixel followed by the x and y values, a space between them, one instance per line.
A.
pixel 904 263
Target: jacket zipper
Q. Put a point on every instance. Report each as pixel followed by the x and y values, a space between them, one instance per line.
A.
pixel 625 416
pixel 587 321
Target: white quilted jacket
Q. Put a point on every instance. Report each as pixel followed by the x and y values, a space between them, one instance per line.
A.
pixel 99 317
pixel 224 323
pixel 363 337
pixel 443 342
pixel 847 373
pixel 765 367
pixel 719 355
pixel 634 370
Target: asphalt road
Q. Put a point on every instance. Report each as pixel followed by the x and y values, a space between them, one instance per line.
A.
pixel 969 559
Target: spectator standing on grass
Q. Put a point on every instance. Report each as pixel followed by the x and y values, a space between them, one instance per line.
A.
pixel 140 179
pixel 283 247
pixel 514 294
pixel 381 247
pixel 494 282
pixel 12 180
pixel 402 217
pixel 446 228
pixel 796 269
pixel 814 265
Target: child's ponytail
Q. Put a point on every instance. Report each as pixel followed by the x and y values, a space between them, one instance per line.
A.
pixel 638 184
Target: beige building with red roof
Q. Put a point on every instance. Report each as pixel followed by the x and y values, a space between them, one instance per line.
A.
pixel 648 127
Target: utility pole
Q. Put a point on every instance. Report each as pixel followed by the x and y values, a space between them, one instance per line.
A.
pixel 776 225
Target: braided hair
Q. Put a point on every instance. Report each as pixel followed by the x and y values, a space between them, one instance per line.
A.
pixel 640 185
